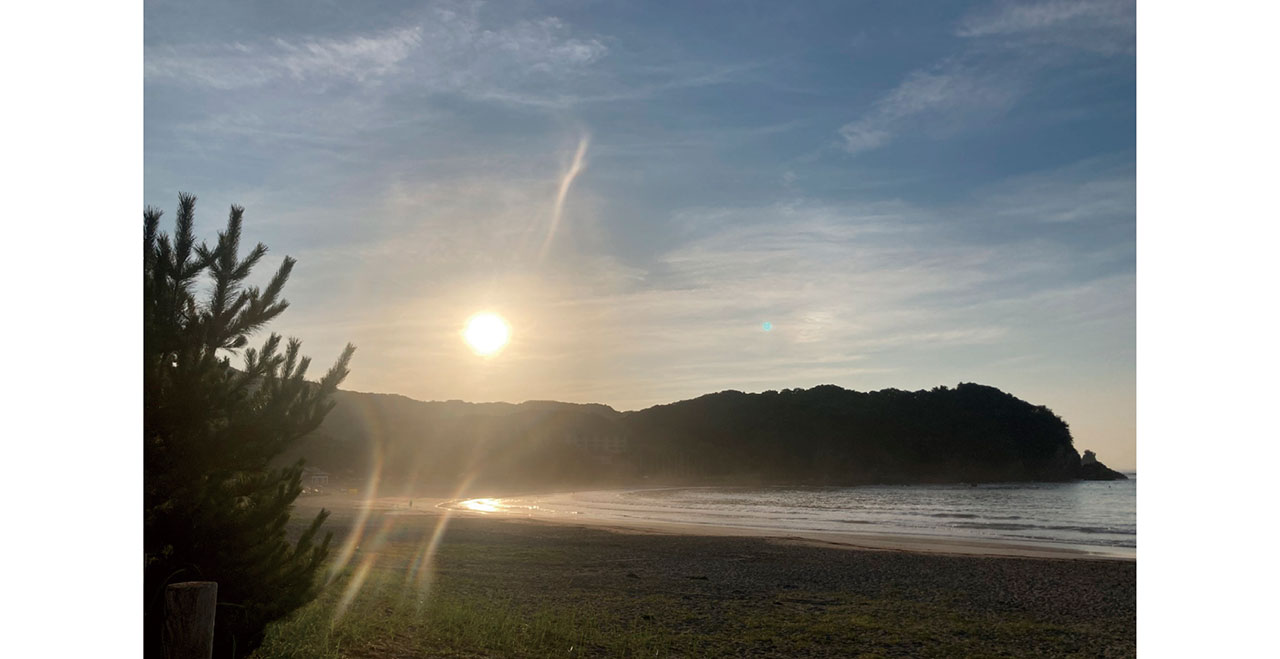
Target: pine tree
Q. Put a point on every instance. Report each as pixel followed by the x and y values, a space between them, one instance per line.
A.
pixel 215 506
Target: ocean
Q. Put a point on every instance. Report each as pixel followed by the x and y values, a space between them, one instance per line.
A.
pixel 1099 516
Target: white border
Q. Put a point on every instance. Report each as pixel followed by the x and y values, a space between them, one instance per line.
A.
pixel 1207 366
pixel 72 485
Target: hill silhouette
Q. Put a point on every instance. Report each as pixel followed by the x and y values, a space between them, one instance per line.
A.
pixel 826 435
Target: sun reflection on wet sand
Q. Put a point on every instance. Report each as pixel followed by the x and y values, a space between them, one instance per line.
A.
pixel 481 505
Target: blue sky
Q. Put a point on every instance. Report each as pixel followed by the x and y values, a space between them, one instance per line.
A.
pixel 911 193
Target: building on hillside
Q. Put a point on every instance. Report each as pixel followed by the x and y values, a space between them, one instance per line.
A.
pixel 588 434
pixel 598 444
pixel 314 478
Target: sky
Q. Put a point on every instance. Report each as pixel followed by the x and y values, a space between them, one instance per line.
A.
pixel 906 194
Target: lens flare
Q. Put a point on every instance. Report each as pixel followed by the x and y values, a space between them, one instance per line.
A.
pixel 362 517
pixel 422 572
pixel 362 572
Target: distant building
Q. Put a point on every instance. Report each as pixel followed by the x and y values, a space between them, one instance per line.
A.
pixel 314 478
pixel 598 444
pixel 591 434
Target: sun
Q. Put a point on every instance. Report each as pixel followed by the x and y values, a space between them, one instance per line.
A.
pixel 487 333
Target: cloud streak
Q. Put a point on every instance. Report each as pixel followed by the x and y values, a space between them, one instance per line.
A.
pixel 1004 48
pixel 557 209
pixel 1102 26
pixel 447 51
pixel 359 58
pixel 944 96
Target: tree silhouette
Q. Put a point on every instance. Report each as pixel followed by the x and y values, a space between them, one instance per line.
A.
pixel 215 508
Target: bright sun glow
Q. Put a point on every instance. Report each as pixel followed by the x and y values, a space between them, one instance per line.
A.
pixel 486 333
pixel 481 505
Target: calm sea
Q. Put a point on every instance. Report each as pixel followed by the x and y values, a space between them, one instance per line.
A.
pixel 1098 515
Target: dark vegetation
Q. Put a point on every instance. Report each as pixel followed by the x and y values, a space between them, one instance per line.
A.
pixel 821 436
pixel 215 509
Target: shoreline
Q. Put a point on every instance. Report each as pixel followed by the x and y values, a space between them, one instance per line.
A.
pixel 865 541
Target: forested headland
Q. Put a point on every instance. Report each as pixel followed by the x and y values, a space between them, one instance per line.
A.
pixel 826 435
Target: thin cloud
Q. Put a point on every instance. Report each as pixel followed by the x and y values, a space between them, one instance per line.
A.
pixel 1005 48
pixel 944 95
pixel 1094 190
pixel 1103 26
pixel 236 65
pixel 446 52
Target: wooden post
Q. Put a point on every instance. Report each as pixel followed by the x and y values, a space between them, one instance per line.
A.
pixel 188 619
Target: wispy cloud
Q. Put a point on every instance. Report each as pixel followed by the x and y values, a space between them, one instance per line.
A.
pixel 235 65
pixel 1105 26
pixel 946 95
pixel 1004 48
pixel 447 51
pixel 526 62
pixel 847 295
pixel 1094 190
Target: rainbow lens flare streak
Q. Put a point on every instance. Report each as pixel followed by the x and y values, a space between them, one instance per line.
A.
pixel 420 573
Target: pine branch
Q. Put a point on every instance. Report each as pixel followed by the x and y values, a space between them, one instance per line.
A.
pixel 242 269
pixel 150 222
pixel 338 372
pixel 184 239
pixel 291 358
pixel 278 281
